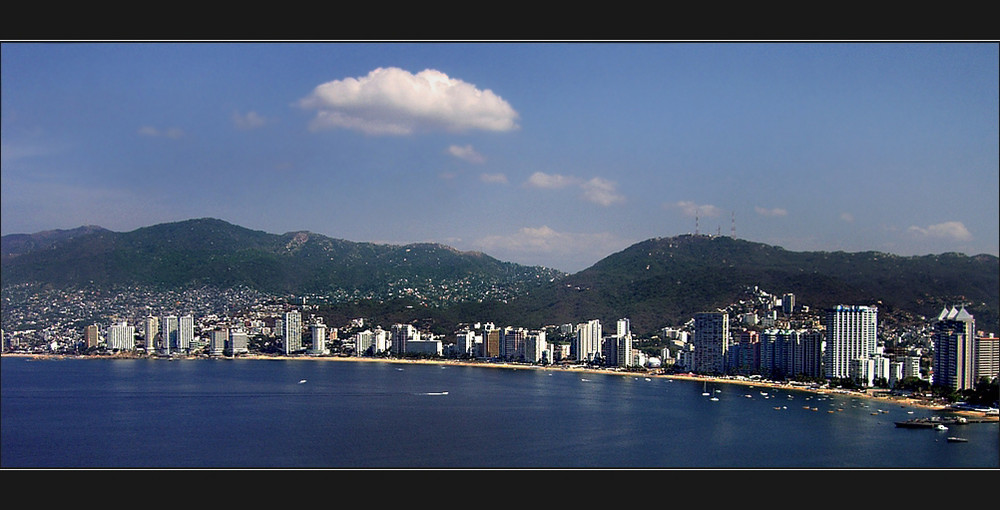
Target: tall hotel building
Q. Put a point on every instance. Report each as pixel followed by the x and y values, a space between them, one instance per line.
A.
pixel 169 332
pixel 291 332
pixel 851 334
pixel 711 341
pixel 401 334
pixel 954 349
pixel 151 326
pixel 92 335
pixel 121 337
pixel 185 332
pixel 987 357
pixel 588 340
pixel 318 338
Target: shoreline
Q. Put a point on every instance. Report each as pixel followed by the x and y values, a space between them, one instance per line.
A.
pixel 902 401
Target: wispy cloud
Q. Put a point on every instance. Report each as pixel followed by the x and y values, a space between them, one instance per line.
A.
pixel 771 212
pixel 466 153
pixel 951 230
pixel 392 101
pixel 543 180
pixel 156 132
pixel 692 209
pixel 249 120
pixel 494 178
pixel 601 191
pixel 544 242
pixel 597 190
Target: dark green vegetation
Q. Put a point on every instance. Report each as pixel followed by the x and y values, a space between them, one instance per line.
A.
pixel 666 281
pixel 657 282
pixel 209 252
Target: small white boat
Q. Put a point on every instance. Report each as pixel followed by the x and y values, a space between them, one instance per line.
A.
pixel 714 399
pixel 303 381
pixel 940 426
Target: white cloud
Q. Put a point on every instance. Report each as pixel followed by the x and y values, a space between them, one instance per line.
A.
pixel 601 191
pixel 494 178
pixel 689 208
pixel 396 102
pixel 248 120
pixel 597 190
pixel 953 230
pixel 550 181
pixel 771 212
pixel 466 153
pixel 168 133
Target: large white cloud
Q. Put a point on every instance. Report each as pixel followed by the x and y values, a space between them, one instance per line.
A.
pixel 394 101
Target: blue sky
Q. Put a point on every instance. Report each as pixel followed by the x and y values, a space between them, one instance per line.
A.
pixel 554 154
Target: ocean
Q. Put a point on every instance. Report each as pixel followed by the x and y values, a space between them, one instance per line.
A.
pixel 146 413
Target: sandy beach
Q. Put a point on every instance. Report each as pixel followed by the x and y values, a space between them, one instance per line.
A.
pixel 874 396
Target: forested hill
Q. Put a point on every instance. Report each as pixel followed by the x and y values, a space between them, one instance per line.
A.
pixel 665 281
pixel 658 282
pixel 211 252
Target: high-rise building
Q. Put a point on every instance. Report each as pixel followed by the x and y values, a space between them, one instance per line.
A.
pixel 151 327
pixel 121 337
pixel 238 341
pixel 318 338
pixel 623 351
pixel 954 349
pixel 749 352
pixel 851 334
pixel 534 346
pixel 987 357
pixel 587 344
pixel 185 332
pixel 711 341
pixel 401 334
pixel 91 335
pixel 787 303
pixel 623 327
pixel 512 344
pixel 491 342
pixel 217 341
pixel 291 334
pixel 169 328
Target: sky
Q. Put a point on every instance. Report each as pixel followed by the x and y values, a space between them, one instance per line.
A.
pixel 542 153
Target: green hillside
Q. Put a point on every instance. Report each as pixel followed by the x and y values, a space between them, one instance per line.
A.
pixel 210 252
pixel 666 281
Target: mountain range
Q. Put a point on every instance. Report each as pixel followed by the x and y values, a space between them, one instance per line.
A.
pixel 656 282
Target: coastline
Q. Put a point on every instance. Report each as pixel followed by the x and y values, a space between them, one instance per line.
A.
pixel 901 401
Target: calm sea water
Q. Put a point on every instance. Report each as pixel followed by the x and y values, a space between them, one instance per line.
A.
pixel 256 414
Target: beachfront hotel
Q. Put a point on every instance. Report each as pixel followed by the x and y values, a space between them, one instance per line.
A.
pixel 850 338
pixel 954 345
pixel 711 341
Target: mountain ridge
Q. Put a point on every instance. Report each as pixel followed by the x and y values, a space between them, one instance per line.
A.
pixel 655 282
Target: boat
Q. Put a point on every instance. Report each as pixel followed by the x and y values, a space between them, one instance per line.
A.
pixel 704 390
pixel 303 381
pixel 940 426
pixel 953 439
pixel 714 399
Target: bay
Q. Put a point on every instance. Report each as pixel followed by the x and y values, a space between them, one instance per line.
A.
pixel 143 413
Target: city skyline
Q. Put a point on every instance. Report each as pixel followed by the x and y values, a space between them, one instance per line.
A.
pixel 552 154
